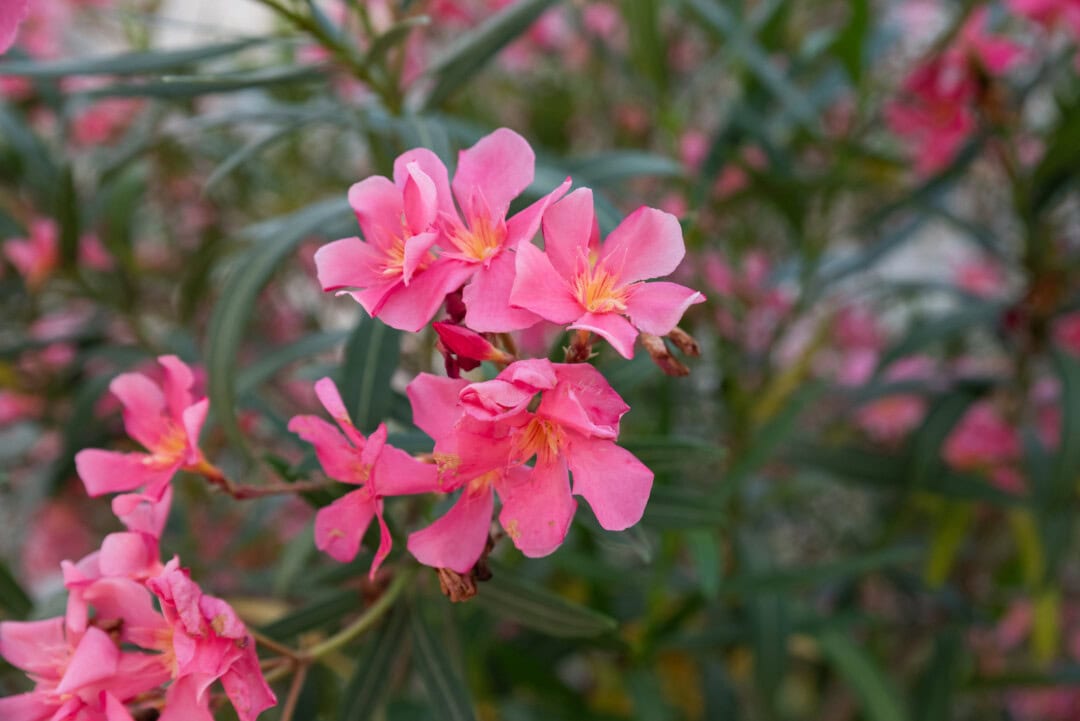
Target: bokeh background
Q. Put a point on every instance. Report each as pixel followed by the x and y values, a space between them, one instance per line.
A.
pixel 866 488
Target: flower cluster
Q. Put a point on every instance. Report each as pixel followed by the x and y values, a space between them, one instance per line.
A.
pixel 429 242
pixel 139 636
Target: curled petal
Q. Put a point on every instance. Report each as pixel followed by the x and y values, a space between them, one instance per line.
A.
pixel 433 168
pixel 613 328
pixel 420 200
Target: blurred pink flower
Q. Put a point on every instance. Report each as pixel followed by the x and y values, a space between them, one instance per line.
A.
pixel 484 434
pixel 12 14
pixel 1067 332
pixel 379 469
pixel 16 407
pixel 36 256
pixel 165 419
pixel 980 277
pixel 983 441
pixel 598 287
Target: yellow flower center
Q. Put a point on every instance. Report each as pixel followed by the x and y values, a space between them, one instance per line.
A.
pixel 540 438
pixel 598 291
pixel 394 259
pixel 480 241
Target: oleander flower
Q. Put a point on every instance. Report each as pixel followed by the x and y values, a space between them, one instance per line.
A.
pixel 599 287
pixel 165 419
pixel 379 469
pixel 485 433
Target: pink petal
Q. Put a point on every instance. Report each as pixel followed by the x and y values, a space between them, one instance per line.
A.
pixel 348 263
pixel 523 226
pixel 377 203
pixel 456 540
pixel 399 474
pixel 327 393
pixel 115 709
pixel 434 169
pixel 31 706
pixel 487 299
pixel 11 14
pixel 613 328
pixel 537 507
pixel 417 250
pixel 37 647
pixel 467 343
pixel 94 660
pixel 144 406
pixel 614 482
pixel 593 392
pixel 657 308
pixel 109 472
pixel 340 526
pixel 411 308
pixel 434 403
pixel 177 385
pixel 193 418
pixel 245 686
pixel 183 702
pixel 126 600
pixel 647 244
pixel 494 171
pixel 420 200
pixel 568 227
pixel 385 541
pixel 539 288
pixel 374 445
pixel 569 407
pixel 337 456
pixel 532 374
pixel 143 513
pixel 495 400
pixel 125 554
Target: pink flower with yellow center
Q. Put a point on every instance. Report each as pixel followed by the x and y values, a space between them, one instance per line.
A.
pixel 165 419
pixel 598 287
pixel 564 418
pixel 379 469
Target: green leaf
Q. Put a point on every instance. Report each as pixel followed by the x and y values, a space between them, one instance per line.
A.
pixel 540 609
pixel 1057 168
pixel 472 51
pixel 126 63
pixel 783 579
pixel 867 679
pixel 741 42
pixel 371 357
pixel 274 241
pixel 850 44
pixel 190 86
pixel 934 692
pixel 323 610
pixel 1067 462
pixel 394 36
pixel 648 51
pixel 675 508
pixel 774 433
pixel 13 599
pixel 249 151
pixel 444 686
pixel 366 688
pixel 661 453
pixel 263 369
pixel 605 169
pixel 950 531
pixel 927 464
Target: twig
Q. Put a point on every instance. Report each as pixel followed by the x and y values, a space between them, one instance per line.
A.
pixel 295 687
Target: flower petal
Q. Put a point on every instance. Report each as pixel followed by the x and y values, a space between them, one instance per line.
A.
pixel 657 308
pixel 430 164
pixel 434 403
pixel 94 660
pixel 396 473
pixel 336 455
pixel 456 540
pixel 647 244
pixel 327 393
pixel 494 171
pixel 537 507
pixel 37 647
pixel 615 329
pixel 410 308
pixel 377 203
pixel 523 226
pixel 144 405
pixel 568 227
pixel 420 199
pixel 348 263
pixel 177 385
pixel 487 299
pixel 110 472
pixel 614 482
pixel 538 287
pixel 340 526
pixel 245 686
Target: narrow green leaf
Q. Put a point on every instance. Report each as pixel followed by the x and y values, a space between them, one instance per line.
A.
pixel 662 453
pixel 472 51
pixel 772 435
pixel 366 690
pixel 294 560
pixel 371 357
pixel 1067 463
pixel 263 369
pixel 807 576
pixel 927 464
pixel 189 86
pixel 648 51
pixel 605 169
pixel 867 679
pixel 677 508
pixel 445 688
pixel 13 599
pixel 249 151
pixel 935 688
pixel 540 609
pixel 325 609
pixel 850 44
pixel 275 240
pixel 951 529
pixel 705 552
pixel 394 36
pixel 153 61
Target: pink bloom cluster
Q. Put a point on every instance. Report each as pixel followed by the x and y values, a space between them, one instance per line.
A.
pixel 937 111
pixel 427 242
pixel 138 636
pixel 37 256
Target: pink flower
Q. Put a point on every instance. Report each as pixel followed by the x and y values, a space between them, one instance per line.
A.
pixel 983 441
pixel 16 407
pixel 419 247
pixel 380 470
pixel 1049 13
pixel 164 419
pixel 37 256
pixel 11 15
pixel 484 434
pixel 598 287
pixel 205 642
pixel 980 277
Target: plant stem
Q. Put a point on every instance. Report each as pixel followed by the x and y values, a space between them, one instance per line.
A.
pixel 367 619
pixel 295 687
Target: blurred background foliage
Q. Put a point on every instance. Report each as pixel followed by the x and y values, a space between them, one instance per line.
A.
pixel 865 491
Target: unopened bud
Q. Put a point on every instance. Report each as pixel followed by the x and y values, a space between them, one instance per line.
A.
pixel 684 342
pixel 660 354
pixel 470 345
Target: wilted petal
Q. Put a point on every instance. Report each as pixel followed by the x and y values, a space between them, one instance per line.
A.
pixel 614 482
pixel 647 244
pixel 245 686
pixel 183 702
pixel 537 507
pixel 495 400
pixel 456 540
pixel 656 308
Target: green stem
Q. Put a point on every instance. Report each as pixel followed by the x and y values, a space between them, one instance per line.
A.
pixel 366 620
